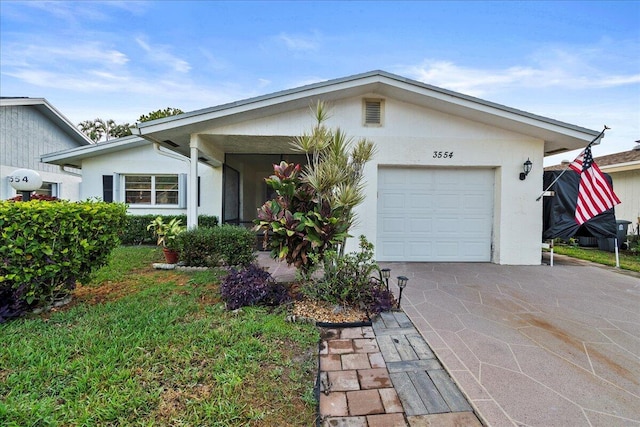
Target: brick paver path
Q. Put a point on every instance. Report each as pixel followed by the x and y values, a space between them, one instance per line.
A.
pixel 386 375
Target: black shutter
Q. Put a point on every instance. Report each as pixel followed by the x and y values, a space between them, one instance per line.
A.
pixel 107 188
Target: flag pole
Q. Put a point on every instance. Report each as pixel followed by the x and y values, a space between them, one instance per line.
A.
pixel 567 167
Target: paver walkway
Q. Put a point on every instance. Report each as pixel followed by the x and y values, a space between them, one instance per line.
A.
pixel 386 375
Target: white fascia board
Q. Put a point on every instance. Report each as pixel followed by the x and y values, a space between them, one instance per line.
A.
pixel 80 153
pixel 621 167
pixel 240 107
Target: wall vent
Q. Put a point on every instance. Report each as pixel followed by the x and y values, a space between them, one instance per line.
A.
pixel 373 110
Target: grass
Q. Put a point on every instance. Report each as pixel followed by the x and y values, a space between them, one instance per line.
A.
pixel 628 260
pixel 140 347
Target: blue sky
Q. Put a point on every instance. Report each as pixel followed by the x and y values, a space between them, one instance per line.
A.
pixel 577 62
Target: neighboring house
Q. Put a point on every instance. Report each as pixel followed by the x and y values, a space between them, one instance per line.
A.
pixel 30 128
pixel 443 186
pixel 624 169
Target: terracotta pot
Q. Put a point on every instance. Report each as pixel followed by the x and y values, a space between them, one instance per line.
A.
pixel 170 256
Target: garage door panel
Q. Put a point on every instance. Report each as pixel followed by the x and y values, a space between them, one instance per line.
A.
pixel 435 214
pixel 472 202
pixel 393 250
pixel 447 250
pixel 420 225
pixel 393 225
pixel 446 225
pixel 446 201
pixel 474 226
pixel 419 249
pixel 420 201
pixel 393 200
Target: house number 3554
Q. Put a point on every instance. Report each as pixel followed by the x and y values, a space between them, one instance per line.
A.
pixel 443 154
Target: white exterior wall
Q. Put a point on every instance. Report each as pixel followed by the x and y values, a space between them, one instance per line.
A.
pixel 145 160
pixel 627 187
pixel 409 136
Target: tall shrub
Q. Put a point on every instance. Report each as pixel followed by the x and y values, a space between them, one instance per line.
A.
pixel 47 247
pixel 313 210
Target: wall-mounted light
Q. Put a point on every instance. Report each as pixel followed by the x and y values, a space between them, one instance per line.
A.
pixel 402 283
pixel 526 168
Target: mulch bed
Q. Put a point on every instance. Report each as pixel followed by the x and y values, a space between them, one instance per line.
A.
pixel 324 312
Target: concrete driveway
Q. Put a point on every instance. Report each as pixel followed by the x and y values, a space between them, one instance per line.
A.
pixel 533 345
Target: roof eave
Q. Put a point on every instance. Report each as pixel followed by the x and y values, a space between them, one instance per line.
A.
pixel 74 156
pixel 563 136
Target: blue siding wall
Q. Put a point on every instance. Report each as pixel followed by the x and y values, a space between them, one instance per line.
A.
pixel 26 134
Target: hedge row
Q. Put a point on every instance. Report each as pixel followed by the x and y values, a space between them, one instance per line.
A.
pixel 207 246
pixel 48 246
pixel 135 231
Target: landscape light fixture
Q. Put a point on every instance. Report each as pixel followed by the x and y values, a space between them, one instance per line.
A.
pixel 526 168
pixel 386 273
pixel 402 283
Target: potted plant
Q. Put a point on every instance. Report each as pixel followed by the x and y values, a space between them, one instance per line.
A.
pixel 166 232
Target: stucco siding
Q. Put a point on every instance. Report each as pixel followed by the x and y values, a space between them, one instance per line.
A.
pixel 409 137
pixel 144 160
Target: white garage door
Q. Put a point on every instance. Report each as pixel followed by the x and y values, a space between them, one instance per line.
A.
pixel 435 214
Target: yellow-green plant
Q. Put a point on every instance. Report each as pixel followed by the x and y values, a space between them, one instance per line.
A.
pixel 166 232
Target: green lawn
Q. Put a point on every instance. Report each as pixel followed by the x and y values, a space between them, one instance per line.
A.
pixel 628 260
pixel 140 347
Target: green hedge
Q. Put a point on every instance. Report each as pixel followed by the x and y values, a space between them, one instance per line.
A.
pixel 206 246
pixel 136 233
pixel 48 246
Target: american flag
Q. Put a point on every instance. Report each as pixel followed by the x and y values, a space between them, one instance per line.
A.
pixel 595 195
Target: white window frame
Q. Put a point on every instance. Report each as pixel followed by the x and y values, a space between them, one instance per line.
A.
pixel 180 190
pixel 53 190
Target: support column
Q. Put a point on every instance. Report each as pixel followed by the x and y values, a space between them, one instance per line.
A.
pixel 192 188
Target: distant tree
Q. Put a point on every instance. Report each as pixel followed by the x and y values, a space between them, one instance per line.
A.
pixel 118 131
pixel 159 114
pixel 89 128
pixel 99 129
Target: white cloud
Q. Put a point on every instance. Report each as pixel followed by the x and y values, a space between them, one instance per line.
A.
pixel 300 42
pixel 160 54
pixel 54 56
pixel 479 81
pixel 606 64
pixel 78 12
pixel 263 83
